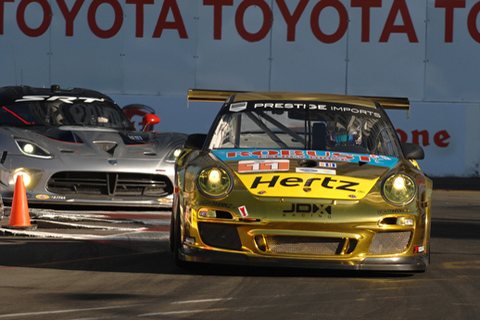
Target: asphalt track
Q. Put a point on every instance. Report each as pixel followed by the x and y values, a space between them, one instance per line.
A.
pixel 116 265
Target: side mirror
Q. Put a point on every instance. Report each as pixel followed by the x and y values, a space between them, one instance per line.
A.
pixel 195 141
pixel 149 120
pixel 413 151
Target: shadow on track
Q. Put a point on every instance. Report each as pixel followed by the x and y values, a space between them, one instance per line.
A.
pixel 105 257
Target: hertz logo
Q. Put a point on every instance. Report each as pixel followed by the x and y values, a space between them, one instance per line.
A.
pixel 326 182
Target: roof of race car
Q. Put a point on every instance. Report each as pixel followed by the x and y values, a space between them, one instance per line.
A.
pixel 235 96
pixel 9 94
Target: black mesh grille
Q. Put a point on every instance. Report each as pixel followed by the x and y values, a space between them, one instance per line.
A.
pixel 220 236
pixel 110 184
pixel 305 245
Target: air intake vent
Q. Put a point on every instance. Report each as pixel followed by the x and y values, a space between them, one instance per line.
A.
pixel 110 184
pixel 107 146
pixel 390 242
pixel 305 245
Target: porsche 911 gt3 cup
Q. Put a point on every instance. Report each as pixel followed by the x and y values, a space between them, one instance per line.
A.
pixel 77 147
pixel 301 180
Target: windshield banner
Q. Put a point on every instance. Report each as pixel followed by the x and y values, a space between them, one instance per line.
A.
pixel 244 154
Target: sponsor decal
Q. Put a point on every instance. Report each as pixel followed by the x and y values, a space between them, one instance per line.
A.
pixel 218 204
pixel 263 165
pixel 309 208
pixel 243 211
pixel 249 154
pixel 288 106
pixel 65 99
pixel 418 249
pixel 393 211
pixel 327 164
pixel 316 185
pixel 325 182
pixel 46 197
pixel 237 107
pixel 320 107
pixel 316 170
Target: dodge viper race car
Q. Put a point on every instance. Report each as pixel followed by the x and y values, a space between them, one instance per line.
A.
pixel 77 147
pixel 301 180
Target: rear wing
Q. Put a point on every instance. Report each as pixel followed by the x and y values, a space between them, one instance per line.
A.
pixel 393 103
pixel 210 95
pixel 221 96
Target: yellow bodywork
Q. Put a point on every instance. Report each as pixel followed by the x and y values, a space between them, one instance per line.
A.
pixel 300 219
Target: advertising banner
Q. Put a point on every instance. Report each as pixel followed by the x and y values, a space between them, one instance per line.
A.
pixel 425 50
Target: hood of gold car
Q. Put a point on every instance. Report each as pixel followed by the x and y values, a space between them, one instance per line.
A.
pixel 306 173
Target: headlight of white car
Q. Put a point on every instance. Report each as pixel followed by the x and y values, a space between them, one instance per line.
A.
pixel 173 154
pixel 32 149
pixel 31 177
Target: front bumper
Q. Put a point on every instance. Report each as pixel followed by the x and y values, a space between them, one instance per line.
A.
pixel 46 199
pixel 410 263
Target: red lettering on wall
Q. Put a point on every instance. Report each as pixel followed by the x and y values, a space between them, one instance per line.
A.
pixel 399 6
pixel 366 5
pixel 402 135
pixel 440 139
pixel 399 19
pixel 117 23
pixel 177 24
pixel 217 15
pixel 69 15
pixel 449 6
pixel 139 15
pixel 342 27
pixel 472 22
pixel 416 137
pixel 291 19
pixel 47 18
pixel 2 13
pixel 267 20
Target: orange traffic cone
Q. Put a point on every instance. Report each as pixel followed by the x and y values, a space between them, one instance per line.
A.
pixel 19 215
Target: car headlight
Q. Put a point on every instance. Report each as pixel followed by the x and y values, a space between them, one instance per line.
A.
pixel 214 182
pixel 173 154
pixel 399 189
pixel 31 149
pixel 31 177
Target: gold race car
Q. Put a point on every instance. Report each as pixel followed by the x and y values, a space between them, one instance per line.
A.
pixel 301 180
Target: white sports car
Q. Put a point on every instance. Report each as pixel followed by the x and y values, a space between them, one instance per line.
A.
pixel 77 147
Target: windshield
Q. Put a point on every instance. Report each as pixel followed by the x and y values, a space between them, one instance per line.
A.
pixel 67 112
pixel 342 128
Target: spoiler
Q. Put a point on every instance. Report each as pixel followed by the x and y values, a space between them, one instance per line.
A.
pixel 393 103
pixel 210 95
pixel 221 96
